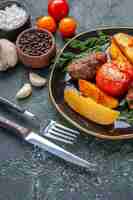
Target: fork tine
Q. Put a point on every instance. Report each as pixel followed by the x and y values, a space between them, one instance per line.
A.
pixel 61 135
pixel 64 132
pixel 51 136
pixel 66 128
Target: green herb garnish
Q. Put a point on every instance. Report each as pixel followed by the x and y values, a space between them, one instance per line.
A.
pixel 93 44
pixel 127 115
pixel 123 104
pixel 65 58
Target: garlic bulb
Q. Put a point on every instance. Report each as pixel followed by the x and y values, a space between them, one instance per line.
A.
pixel 24 92
pixel 36 80
pixel 8 55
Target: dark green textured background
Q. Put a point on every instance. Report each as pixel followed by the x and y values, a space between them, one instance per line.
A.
pixel 26 173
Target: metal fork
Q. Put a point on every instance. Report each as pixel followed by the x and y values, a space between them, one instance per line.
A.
pixel 53 130
pixel 59 132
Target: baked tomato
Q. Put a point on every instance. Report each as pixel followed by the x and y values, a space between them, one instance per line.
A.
pixel 58 9
pixel 111 80
pixel 126 68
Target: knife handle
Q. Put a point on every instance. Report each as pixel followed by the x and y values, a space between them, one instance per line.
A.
pixel 14 127
pixel 9 105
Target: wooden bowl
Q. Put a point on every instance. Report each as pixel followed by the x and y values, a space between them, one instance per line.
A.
pixel 37 62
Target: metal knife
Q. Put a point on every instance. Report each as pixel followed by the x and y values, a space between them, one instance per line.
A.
pixel 43 143
pixel 123 127
pixel 11 106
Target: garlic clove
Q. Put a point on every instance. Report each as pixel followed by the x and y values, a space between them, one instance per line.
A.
pixel 24 92
pixel 8 55
pixel 36 80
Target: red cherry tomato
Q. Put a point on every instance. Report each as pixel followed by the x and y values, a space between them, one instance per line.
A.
pixel 46 22
pixel 111 80
pixel 58 9
pixel 67 27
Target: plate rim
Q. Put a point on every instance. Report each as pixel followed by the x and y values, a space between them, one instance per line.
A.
pixel 65 116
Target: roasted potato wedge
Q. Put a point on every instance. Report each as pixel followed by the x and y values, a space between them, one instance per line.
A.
pixel 89 109
pixel 116 53
pixel 89 89
pixel 125 43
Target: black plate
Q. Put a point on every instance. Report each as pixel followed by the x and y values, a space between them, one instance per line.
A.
pixel 57 85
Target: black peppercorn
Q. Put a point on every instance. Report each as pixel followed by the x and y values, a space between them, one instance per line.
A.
pixel 35 42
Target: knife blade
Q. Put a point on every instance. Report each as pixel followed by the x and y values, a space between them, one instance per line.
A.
pixel 43 143
pixel 11 106
pixel 123 128
pixel 119 124
pixel 49 146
